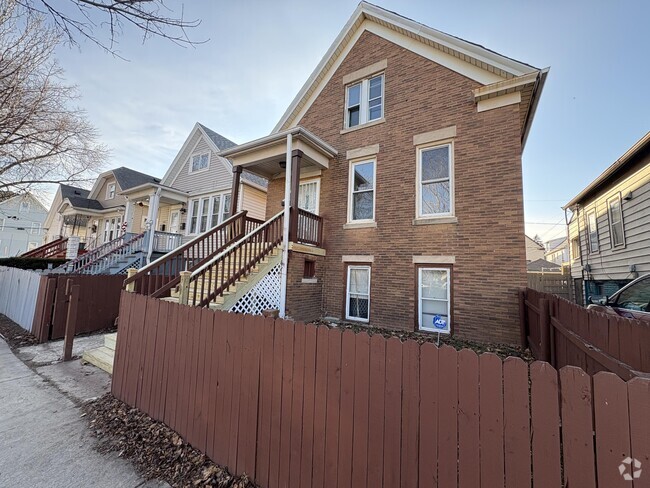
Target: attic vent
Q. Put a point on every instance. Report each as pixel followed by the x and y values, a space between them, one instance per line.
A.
pixel 77 192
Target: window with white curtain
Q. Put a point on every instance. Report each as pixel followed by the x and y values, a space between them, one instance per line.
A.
pixel 308 196
pixel 357 306
pixel 434 292
pixel 200 162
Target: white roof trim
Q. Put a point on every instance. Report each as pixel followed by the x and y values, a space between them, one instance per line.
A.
pixel 23 196
pixel 177 164
pixel 482 63
pixel 99 182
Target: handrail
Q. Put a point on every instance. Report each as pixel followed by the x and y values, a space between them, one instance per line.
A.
pixel 235 261
pixel 80 262
pixel 59 245
pixel 161 275
pixel 132 246
pixel 310 228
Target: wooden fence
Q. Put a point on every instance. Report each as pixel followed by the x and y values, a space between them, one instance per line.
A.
pixel 564 333
pixel 18 292
pixel 559 284
pixel 300 405
pixel 98 306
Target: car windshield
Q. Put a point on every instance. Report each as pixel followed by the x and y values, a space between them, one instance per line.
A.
pixel 635 297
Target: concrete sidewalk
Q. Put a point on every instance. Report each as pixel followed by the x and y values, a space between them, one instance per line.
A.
pixel 44 441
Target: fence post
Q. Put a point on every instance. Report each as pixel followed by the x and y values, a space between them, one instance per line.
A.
pixel 544 329
pixel 71 322
pixel 130 287
pixel 523 329
pixel 184 287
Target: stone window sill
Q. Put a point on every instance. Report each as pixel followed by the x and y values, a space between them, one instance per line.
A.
pixel 310 280
pixel 362 126
pixel 435 220
pixel 360 225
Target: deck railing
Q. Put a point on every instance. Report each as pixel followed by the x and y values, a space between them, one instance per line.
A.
pixel 310 228
pixel 213 278
pixel 166 241
pixel 49 250
pixel 87 263
pixel 161 275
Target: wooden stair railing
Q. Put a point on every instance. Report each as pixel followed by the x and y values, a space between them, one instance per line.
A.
pixel 213 278
pixel 310 228
pixel 49 250
pixel 86 259
pixel 161 275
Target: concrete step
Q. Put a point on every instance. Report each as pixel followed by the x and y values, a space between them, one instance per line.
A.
pixel 102 357
pixel 110 340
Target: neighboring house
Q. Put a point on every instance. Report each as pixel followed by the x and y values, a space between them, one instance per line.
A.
pixel 534 250
pixel 543 266
pixel 194 195
pixel 557 251
pixel 409 141
pixel 609 225
pixel 21 224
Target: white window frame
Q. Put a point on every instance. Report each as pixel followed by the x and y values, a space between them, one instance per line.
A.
pixel 211 199
pixel 616 198
pixel 347 292
pixel 418 186
pixel 191 165
pixel 364 101
pixel 351 190
pixel 35 226
pixel 589 232
pixel 420 298
pixel 20 207
pixel 310 182
pixel 575 249
pixel 2 224
pixel 110 191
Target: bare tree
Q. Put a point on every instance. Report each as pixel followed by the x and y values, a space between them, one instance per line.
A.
pixel 43 138
pixel 87 19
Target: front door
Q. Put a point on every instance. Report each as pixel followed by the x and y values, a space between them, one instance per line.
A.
pixel 174 222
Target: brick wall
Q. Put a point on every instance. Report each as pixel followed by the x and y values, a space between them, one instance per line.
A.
pixel 304 298
pixel 488 240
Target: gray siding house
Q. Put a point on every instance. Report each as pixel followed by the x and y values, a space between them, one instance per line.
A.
pixel 21 224
pixel 609 228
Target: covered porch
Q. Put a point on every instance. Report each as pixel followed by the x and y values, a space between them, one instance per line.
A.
pixel 286 154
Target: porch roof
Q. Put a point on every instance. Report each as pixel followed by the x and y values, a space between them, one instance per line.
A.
pixel 263 156
pixel 167 193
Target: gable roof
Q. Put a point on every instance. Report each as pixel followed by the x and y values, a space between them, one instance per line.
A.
pixel 80 202
pixel 68 191
pixel 469 59
pixel 543 265
pixel 25 196
pixel 533 241
pixel 220 141
pixel 614 170
pixel 128 178
pixel 554 244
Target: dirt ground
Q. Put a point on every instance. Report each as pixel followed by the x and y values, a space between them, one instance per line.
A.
pixel 156 450
pixel 501 350
pixel 14 334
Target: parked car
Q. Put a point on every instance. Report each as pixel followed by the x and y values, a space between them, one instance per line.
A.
pixel 631 301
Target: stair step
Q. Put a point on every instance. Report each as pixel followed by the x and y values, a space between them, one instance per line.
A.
pixel 102 357
pixel 110 340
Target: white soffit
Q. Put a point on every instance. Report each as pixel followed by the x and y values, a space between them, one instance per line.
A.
pixel 470 60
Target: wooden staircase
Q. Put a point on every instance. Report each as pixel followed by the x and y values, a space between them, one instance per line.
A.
pixel 102 356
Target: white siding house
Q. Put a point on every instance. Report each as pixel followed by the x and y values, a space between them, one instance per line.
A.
pixel 21 224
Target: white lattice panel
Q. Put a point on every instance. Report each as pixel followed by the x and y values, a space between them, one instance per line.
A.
pixel 263 296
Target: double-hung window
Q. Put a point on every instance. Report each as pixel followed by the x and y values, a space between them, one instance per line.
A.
pixel 357 303
pixel 208 212
pixel 592 231
pixel 364 101
pixel 110 191
pixel 24 207
pixel 308 196
pixel 361 198
pixel 435 181
pixel 36 228
pixel 199 162
pixel 616 231
pixel 194 217
pixel 434 299
pixel 220 209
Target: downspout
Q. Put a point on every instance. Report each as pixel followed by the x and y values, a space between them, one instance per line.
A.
pixel 285 228
pixel 152 226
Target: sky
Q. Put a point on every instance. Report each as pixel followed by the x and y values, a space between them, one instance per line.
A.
pixel 258 54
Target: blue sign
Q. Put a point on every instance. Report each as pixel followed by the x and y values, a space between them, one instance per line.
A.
pixel 439 322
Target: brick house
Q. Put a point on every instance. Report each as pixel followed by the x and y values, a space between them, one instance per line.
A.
pixel 395 190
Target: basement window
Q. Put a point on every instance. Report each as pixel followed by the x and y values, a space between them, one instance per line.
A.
pixel 310 269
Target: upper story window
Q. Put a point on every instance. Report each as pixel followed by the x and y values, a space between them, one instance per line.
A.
pixel 592 231
pixel 200 162
pixel 364 101
pixel 361 197
pixel 575 249
pixel 435 181
pixel 36 228
pixel 24 207
pixel 616 231
pixel 110 191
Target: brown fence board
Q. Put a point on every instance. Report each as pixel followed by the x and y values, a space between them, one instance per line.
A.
pixel 333 405
pixel 376 393
pixel 309 387
pixel 469 474
pixel 447 408
pixel 237 335
pixel 491 428
pixel 360 419
pixel 516 414
pixel 410 413
pixel 320 393
pixel 160 336
pixel 344 474
pixel 276 406
pixel 612 441
pixel 287 391
pixel 203 377
pixel 297 387
pixel 121 347
pixel 577 428
pixel 638 391
pixel 265 402
pixel 225 395
pixel 429 395
pixel 393 412
pixel 212 362
pixel 545 425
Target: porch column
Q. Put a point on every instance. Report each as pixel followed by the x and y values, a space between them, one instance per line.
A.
pixel 234 193
pixel 128 217
pixel 296 157
pixel 154 200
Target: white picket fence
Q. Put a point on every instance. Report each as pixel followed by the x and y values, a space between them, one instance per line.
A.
pixel 18 293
